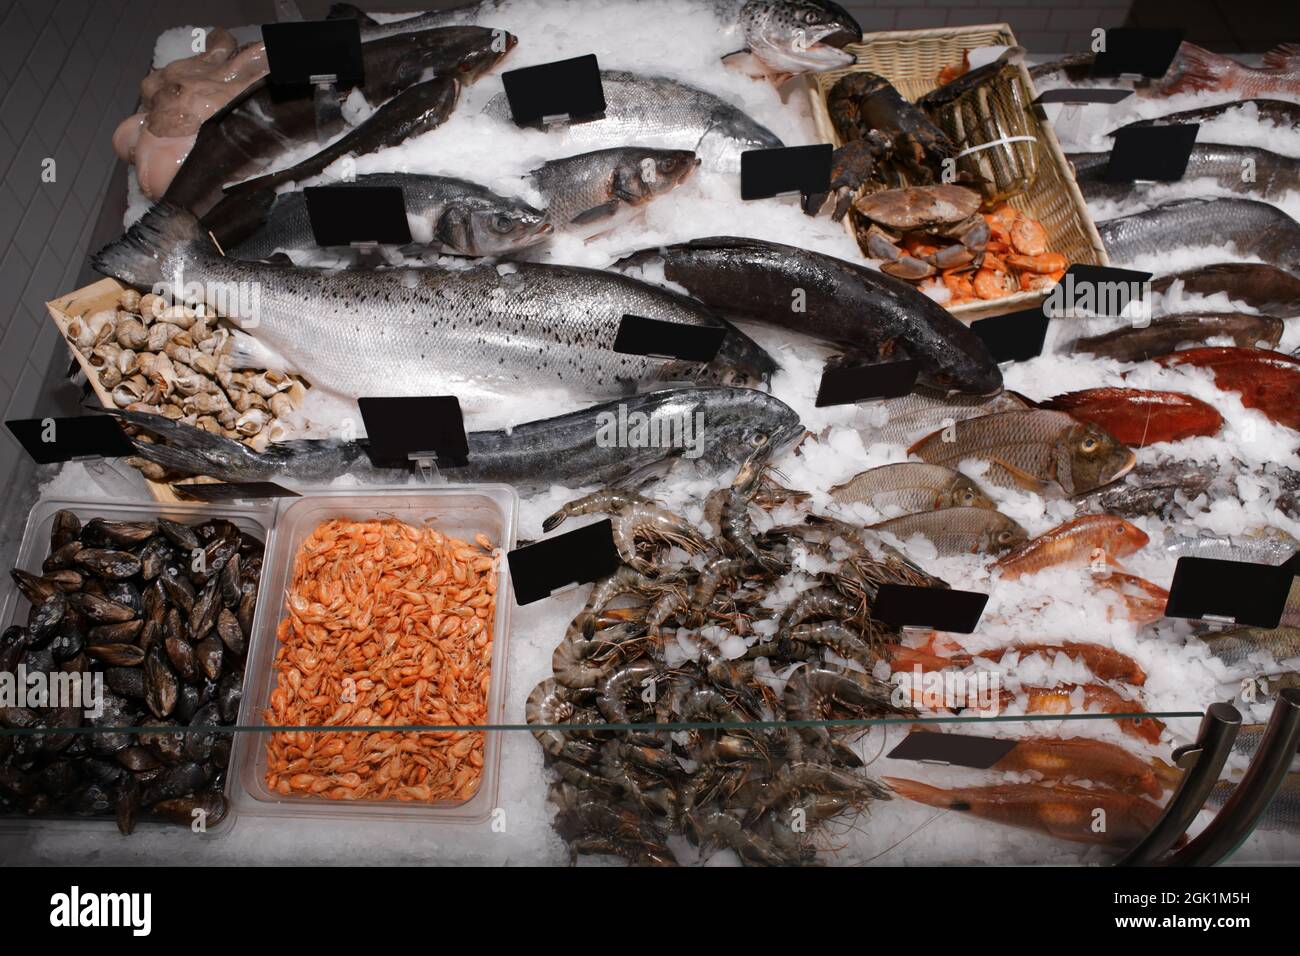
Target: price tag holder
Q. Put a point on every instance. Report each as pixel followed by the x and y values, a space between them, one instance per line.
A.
pixel 233 491
pixel 559 92
pixel 1137 51
pixel 1104 291
pixel 311 54
pixel 1082 96
pixel 846 385
pixel 540 569
pixel 362 216
pixel 52 440
pixel 424 430
pixel 942 609
pixel 952 750
pixel 638 335
pixel 782 170
pixel 1151 153
pixel 1229 592
pixel 1014 337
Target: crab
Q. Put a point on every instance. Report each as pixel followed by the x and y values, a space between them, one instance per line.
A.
pixel 902 220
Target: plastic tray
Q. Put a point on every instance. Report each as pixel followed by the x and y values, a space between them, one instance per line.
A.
pixel 257 520
pixel 457 510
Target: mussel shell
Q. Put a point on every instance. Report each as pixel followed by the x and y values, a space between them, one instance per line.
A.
pixel 178 588
pixel 61 557
pixel 183 659
pixel 230 632
pixel 100 609
pixel 154 557
pixel 230 692
pixel 125 592
pixel 127 681
pixel 101 532
pixel 161 685
pixel 127 806
pixel 138 759
pixel 116 565
pixel 208 806
pixel 124 632
pixel 33 587
pixel 204 613
pixel 183 536
pixel 178 781
pixel 199 742
pixel 68 641
pixel 65 529
pixel 44 619
pixel 210 653
pixel 230 582
pixel 117 655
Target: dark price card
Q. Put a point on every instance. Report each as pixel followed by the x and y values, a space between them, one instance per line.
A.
pixel 944 609
pixel 638 335
pixel 298 51
pixel 1155 153
pixel 1082 96
pixel 1137 51
pixel 785 169
pixel 400 429
pixel 954 750
pixel 576 557
pixel 568 89
pixel 342 215
pixel 1014 337
pixel 233 491
pixel 1230 591
pixel 844 385
pixel 50 440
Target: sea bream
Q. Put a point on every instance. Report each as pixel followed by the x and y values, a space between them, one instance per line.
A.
pixel 866 312
pixel 254 130
pixel 786 37
pixel 480 333
pixel 444 215
pixel 656 111
pixel 1253 229
pixel 716 427
pixel 592 192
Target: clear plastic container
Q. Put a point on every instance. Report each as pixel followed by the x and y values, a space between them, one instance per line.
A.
pixel 256 520
pixel 457 510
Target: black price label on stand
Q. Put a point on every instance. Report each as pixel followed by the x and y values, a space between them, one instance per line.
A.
pixel 565 89
pixel 298 52
pixel 638 335
pixel 342 215
pixel 1155 153
pixel 1082 96
pixel 1236 592
pixel 1102 291
pixel 575 557
pixel 954 750
pixel 1137 51
pixel 402 430
pixel 1014 337
pixel 943 609
pixel 845 385
pixel 233 491
pixel 51 440
pixel 806 170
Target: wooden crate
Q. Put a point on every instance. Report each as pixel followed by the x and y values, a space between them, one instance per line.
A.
pixel 911 61
pixel 93 298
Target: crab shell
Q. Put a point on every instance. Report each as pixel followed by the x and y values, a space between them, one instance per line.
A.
pixel 919 207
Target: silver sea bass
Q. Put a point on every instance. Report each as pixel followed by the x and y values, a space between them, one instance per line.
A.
pixel 479 333
pixel 657 111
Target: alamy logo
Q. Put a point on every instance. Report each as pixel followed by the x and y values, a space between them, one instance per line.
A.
pixel 55 689
pixel 626 429
pixel 74 909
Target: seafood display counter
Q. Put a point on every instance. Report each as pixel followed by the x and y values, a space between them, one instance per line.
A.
pixel 915 563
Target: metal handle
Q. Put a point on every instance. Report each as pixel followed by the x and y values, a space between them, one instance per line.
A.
pixel 1202 762
pixel 1242 810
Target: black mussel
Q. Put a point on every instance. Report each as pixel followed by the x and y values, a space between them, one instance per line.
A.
pixel 115 565
pixel 160 682
pixel 39 659
pixel 67 580
pixel 204 613
pixel 66 719
pixel 98 609
pixel 150 634
pixel 216 528
pixel 44 619
pixel 14 644
pixel 106 773
pixel 229 694
pixel 181 535
pixel 154 602
pixel 170 747
pixel 33 587
pixel 100 532
pixel 115 713
pixel 230 632
pixel 123 633
pixel 17 783
pixel 205 810
pixel 188 702
pixel 138 759
pixel 154 557
pixel 57 778
pixel 91 802
pixel 127 681
pixel 230 582
pixel 65 529
pixel 127 805
pixel 117 655
pixel 68 641
pixel 183 660
pixel 178 781
pixel 220 759
pixel 179 590
pixel 217 555
pixel 247 607
pixel 199 741
pixel 126 593
pixel 250 547
pixel 19 718
pixel 210 653
pixel 174 624
pixel 61 558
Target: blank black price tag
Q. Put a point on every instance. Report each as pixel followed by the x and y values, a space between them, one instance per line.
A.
pixel 50 440
pixel 565 88
pixel 638 335
pixel 399 428
pixel 576 557
pixel 233 491
pixel 1139 51
pixel 955 750
pixel 1082 96
pixel 1014 337
pixel 1096 290
pixel 848 384
pixel 1244 593
pixel 296 51
pixel 342 215
pixel 944 609
pixel 785 169
pixel 1156 153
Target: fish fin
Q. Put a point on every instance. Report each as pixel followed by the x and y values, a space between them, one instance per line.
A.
pixel 1021 477
pixel 138 257
pixel 248 352
pixel 748 64
pixel 1283 56
pixel 348 11
pixel 595 213
pixel 1197 70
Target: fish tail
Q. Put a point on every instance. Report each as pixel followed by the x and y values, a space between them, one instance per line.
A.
pixel 190 450
pixel 1282 57
pixel 140 257
pixel 1199 69
pixel 348 11
pixel 924 793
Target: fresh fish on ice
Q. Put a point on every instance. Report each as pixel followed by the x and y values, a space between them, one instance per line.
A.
pixel 901 421
pixel 1277 112
pixel 1248 170
pixel 588 192
pixel 1263 287
pixel 955 531
pixel 1165 333
pixel 911 486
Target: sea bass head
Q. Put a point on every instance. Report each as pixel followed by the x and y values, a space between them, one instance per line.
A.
pixel 490 225
pixel 464 53
pixel 737 422
pixel 1088 457
pixel 644 173
pixel 729 134
pixel 799 36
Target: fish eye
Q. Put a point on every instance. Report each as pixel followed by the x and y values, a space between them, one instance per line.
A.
pixel 1004 537
pixel 503 223
pixel 668 164
pixel 758 439
pixel 1090 444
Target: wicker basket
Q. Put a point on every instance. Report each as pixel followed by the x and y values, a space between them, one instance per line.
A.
pixel 911 61
pixel 97 297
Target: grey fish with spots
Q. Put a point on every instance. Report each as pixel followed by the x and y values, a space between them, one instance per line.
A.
pixel 955 531
pixel 592 192
pixel 1247 170
pixel 479 333
pixel 911 486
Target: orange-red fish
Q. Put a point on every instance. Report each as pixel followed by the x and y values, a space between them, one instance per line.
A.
pixel 1197 70
pixel 1106 663
pixel 1081 541
pixel 1265 380
pixel 1056 700
pixel 1079 758
pixel 1139 417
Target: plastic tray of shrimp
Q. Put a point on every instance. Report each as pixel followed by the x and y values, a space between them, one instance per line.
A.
pixel 391 611
pixel 84 568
